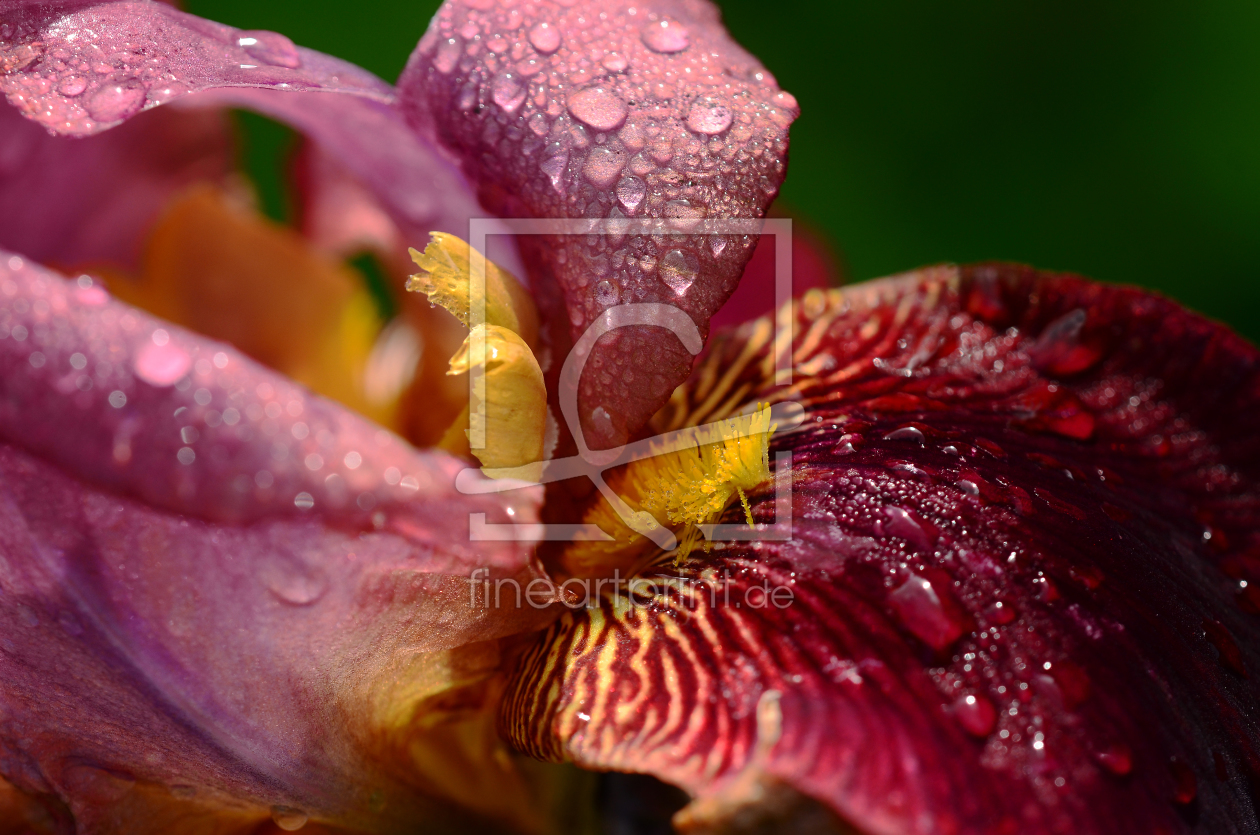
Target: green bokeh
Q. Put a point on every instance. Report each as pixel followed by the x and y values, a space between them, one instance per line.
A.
pixel 1116 139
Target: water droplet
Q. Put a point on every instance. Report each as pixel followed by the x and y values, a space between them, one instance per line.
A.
pixel 709 117
pixel 598 107
pixel 1185 784
pixel 18 57
pixel 270 48
pixel 304 501
pixel 161 365
pixel 556 165
pixel 507 92
pixel 603 166
pixel 906 433
pixel 927 613
pixel 900 523
pixel 1116 758
pixel 976 714
pixel 630 194
pixel 678 269
pixel 116 100
pixel 288 818
pixel 607 293
pixel 72 85
pixel 684 216
pixel 295 586
pixel 666 36
pixel 545 38
pixel 447 56
pixel 717 245
pixel 999 613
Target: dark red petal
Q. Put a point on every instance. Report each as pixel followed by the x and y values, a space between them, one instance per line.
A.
pixel 612 110
pixel 957 533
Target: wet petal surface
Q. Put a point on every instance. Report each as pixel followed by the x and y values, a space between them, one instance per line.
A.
pixel 1014 596
pixel 613 112
pixel 225 593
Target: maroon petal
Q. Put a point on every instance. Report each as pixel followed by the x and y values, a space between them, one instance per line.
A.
pixel 217 585
pixel 610 110
pixel 1023 506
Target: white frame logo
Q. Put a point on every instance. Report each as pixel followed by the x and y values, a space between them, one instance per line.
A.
pixel 593 464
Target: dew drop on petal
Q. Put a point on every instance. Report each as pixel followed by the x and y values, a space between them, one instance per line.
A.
pixel 920 609
pixel 288 818
pixel 72 85
pixel 679 269
pixel 666 36
pixel 295 587
pixel 545 38
pixel 115 100
pixel 303 500
pixel 507 92
pixel 709 117
pixel 598 107
pixel 603 166
pixel 630 193
pixel 1116 758
pixel 161 365
pixel 270 48
pixel 976 714
pixel 448 52
pixel 606 293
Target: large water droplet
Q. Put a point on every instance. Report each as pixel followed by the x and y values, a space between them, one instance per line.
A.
pixel 288 818
pixel 900 523
pixel 545 38
pixel 1185 784
pixel 603 166
pixel 684 216
pixel 161 365
pixel 1116 758
pixel 598 107
pixel 666 36
pixel 270 48
pixel 507 92
pixel 919 605
pixel 72 85
pixel 630 194
pixel 607 293
pixel 679 269
pixel 295 584
pixel 976 714
pixel 709 117
pixel 555 166
pixel 116 100
pixel 447 56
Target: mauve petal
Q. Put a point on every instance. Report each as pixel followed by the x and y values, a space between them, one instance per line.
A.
pixel 173 615
pixel 1018 503
pixel 81 70
pixel 72 202
pixel 608 110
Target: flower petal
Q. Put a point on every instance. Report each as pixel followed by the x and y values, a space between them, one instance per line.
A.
pixel 1021 506
pixel 81 68
pixel 220 590
pixel 74 203
pixel 610 110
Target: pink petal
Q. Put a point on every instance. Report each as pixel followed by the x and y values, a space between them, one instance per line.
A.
pixel 210 578
pixel 610 110
pixel 72 202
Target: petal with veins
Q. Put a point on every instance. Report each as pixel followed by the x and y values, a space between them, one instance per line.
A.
pixel 987 620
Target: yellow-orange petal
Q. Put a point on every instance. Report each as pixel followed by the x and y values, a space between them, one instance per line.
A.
pixel 221 269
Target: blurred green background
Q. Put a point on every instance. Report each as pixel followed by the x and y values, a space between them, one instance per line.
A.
pixel 1116 139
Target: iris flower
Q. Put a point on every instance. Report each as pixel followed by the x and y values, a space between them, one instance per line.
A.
pixel 1001 573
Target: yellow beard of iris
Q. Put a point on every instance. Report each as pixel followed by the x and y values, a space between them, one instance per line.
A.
pixel 684 489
